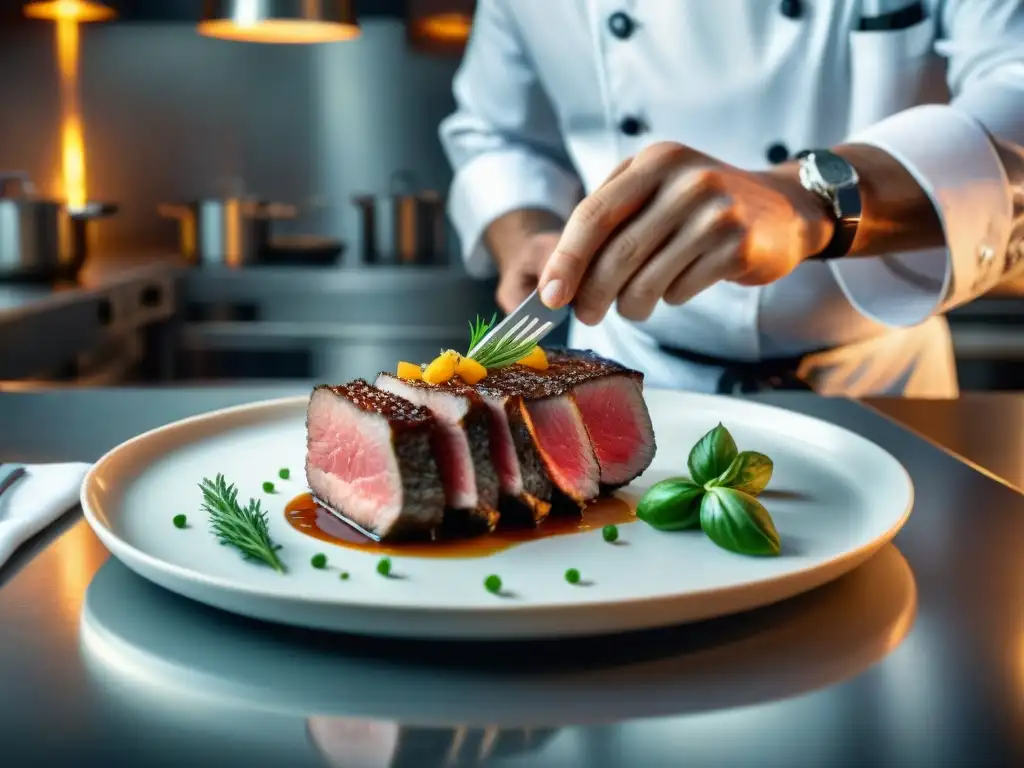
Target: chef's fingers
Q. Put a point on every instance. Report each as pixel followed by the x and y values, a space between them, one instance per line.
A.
pixel 713 266
pixel 627 251
pixel 590 226
pixel 617 172
pixel 706 227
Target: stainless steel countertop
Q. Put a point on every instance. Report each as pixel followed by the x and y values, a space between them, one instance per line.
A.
pixel 99 274
pixel 914 659
pixel 983 429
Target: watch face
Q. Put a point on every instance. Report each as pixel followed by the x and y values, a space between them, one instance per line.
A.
pixel 834 171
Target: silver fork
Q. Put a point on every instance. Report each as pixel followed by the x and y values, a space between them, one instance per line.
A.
pixel 530 321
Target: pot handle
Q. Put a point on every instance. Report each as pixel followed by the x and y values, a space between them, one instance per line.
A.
pixel 19 181
pixel 279 211
pixel 170 211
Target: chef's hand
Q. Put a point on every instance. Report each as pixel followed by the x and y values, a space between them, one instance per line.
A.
pixel 520 242
pixel 520 272
pixel 671 222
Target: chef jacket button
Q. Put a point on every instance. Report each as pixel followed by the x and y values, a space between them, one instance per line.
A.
pixel 791 9
pixel 777 153
pixel 621 25
pixel 631 126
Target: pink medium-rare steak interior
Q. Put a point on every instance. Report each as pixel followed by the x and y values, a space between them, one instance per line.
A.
pixel 357 440
pixel 451 443
pixel 619 425
pixel 564 446
pixel 503 448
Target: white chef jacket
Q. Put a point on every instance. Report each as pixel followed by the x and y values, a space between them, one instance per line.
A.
pixel 547 89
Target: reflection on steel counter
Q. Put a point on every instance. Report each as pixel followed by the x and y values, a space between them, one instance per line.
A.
pixel 349 742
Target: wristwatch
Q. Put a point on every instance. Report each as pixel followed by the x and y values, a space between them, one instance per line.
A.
pixel 835 180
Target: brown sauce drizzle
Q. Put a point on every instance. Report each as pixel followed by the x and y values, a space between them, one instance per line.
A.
pixel 306 516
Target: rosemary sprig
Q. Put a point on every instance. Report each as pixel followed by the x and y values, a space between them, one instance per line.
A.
pixel 244 528
pixel 479 329
pixel 500 352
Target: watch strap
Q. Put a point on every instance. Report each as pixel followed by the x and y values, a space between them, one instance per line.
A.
pixel 846 210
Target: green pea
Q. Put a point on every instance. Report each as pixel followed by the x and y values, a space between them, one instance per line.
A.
pixel 318 560
pixel 180 521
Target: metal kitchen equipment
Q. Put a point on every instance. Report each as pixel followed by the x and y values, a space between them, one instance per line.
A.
pixel 225 231
pixel 280 21
pixel 42 240
pixel 418 232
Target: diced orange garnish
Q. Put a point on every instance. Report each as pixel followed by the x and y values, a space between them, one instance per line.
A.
pixel 442 368
pixel 410 371
pixel 470 371
pixel 536 360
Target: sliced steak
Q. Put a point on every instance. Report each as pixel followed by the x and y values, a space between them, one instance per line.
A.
pixel 610 398
pixel 554 425
pixel 606 397
pixel 462 446
pixel 525 486
pixel 369 458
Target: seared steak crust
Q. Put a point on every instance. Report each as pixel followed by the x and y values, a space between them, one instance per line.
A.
pixel 397 410
pixel 566 369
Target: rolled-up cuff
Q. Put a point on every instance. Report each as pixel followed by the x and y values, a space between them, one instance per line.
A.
pixel 496 183
pixel 951 157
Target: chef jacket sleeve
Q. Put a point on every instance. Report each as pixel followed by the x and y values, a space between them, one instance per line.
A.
pixel 503 140
pixel 967 157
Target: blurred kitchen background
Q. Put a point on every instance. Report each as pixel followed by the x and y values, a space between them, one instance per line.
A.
pixel 247 210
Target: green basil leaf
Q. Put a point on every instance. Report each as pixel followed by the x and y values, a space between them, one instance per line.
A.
pixel 712 455
pixel 671 505
pixel 738 522
pixel 749 472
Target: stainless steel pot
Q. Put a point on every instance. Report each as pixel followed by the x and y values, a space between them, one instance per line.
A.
pixel 42 240
pixel 416 218
pixel 228 231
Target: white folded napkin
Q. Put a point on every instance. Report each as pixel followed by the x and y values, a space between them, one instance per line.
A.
pixel 45 493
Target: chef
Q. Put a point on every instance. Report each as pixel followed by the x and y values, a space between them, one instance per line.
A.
pixel 746 194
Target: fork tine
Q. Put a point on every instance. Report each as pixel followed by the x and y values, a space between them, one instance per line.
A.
pixel 538 333
pixel 512 331
pixel 527 329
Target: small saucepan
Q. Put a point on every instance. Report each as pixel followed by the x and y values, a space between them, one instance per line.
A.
pixel 415 219
pixel 42 240
pixel 228 231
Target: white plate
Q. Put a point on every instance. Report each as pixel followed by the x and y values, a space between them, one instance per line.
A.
pixel 836 499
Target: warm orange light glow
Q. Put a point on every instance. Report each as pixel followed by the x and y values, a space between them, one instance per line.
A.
pixel 445 27
pixel 72 140
pixel 279 31
pixel 71 10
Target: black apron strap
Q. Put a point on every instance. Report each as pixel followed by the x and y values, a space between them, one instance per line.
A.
pixel 740 377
